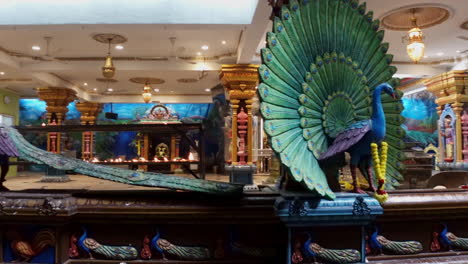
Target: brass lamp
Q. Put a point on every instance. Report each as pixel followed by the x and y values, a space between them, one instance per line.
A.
pixel 146 93
pixel 108 71
pixel 415 47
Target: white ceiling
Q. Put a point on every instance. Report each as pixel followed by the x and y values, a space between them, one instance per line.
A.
pixel 149 41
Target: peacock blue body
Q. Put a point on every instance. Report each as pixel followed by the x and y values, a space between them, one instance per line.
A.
pixel 323 72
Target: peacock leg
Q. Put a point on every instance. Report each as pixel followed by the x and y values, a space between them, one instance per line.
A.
pixel 355 182
pixel 370 178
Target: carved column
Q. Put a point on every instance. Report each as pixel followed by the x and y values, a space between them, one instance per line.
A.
pixel 451 88
pixel 89 113
pixel 57 100
pixel 240 82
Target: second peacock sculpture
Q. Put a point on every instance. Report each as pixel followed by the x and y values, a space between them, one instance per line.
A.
pixel 327 88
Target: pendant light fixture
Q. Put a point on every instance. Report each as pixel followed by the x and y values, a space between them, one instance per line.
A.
pixel 108 71
pixel 146 93
pixel 415 47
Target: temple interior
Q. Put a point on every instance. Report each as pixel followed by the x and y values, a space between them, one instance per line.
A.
pixel 254 131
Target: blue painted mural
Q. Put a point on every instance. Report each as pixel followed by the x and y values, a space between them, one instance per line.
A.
pixel 111 145
pixel 420 118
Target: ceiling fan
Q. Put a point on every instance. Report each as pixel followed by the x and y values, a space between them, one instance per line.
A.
pixel 174 54
pixel 47 56
pixel 38 58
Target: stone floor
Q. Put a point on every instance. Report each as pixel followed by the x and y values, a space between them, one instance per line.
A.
pixel 31 180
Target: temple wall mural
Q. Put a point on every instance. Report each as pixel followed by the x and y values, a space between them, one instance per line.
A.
pixel 123 144
pixel 421 117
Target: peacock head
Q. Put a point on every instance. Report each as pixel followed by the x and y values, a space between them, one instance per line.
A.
pixel 388 89
pixel 154 242
pixel 443 236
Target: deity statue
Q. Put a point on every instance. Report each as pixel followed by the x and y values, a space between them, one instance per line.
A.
pixel 447 132
pixel 162 151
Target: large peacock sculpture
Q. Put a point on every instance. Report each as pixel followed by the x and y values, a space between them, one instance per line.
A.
pixel 326 89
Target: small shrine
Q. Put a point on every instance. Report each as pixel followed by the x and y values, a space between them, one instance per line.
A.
pixel 451 89
pixel 160 147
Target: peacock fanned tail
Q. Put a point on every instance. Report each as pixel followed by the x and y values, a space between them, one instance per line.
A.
pixel 400 247
pixel 322 62
pixel 457 242
pixel 184 252
pixel 31 153
pixel 336 255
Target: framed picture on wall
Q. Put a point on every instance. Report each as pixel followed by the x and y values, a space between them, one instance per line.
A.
pixel 6 120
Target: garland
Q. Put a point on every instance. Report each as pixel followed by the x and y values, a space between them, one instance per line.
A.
pixel 380 168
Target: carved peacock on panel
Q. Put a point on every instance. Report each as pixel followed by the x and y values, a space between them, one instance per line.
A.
pixel 327 88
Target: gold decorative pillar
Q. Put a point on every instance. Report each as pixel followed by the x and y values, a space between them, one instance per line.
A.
pixel 89 112
pixel 240 81
pixel 57 100
pixel 451 88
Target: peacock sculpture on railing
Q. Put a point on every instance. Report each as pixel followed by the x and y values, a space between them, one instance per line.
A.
pixel 326 89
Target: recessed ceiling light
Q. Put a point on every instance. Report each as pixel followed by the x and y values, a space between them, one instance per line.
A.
pixel 204 47
pixel 94 89
pixel 172 91
pixel 199 53
pixel 85 84
pixel 223 42
pixel 440 53
pixel 119 47
pixel 425 56
pixel 2 73
pixel 207 90
pixel 36 48
pixel 110 89
pixel 156 90
pixel 458 51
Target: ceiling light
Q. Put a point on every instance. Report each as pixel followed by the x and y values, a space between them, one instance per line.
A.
pixel 204 47
pixel 425 56
pixel 156 89
pixel 85 84
pixel 458 51
pixel 108 71
pixel 440 53
pixel 2 73
pixel 172 91
pixel 36 48
pixel 199 53
pixel 94 89
pixel 207 90
pixel 146 93
pixel 119 47
pixel 223 42
pixel 415 47
pixel 110 89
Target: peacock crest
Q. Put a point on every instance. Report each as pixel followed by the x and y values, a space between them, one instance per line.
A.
pixel 322 63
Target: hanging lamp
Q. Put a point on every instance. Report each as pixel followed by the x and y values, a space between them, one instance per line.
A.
pixel 108 71
pixel 416 46
pixel 146 93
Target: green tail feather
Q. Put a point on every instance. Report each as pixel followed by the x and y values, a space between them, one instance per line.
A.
pixel 30 153
pixel 400 247
pixel 336 255
pixel 322 62
pixel 458 242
